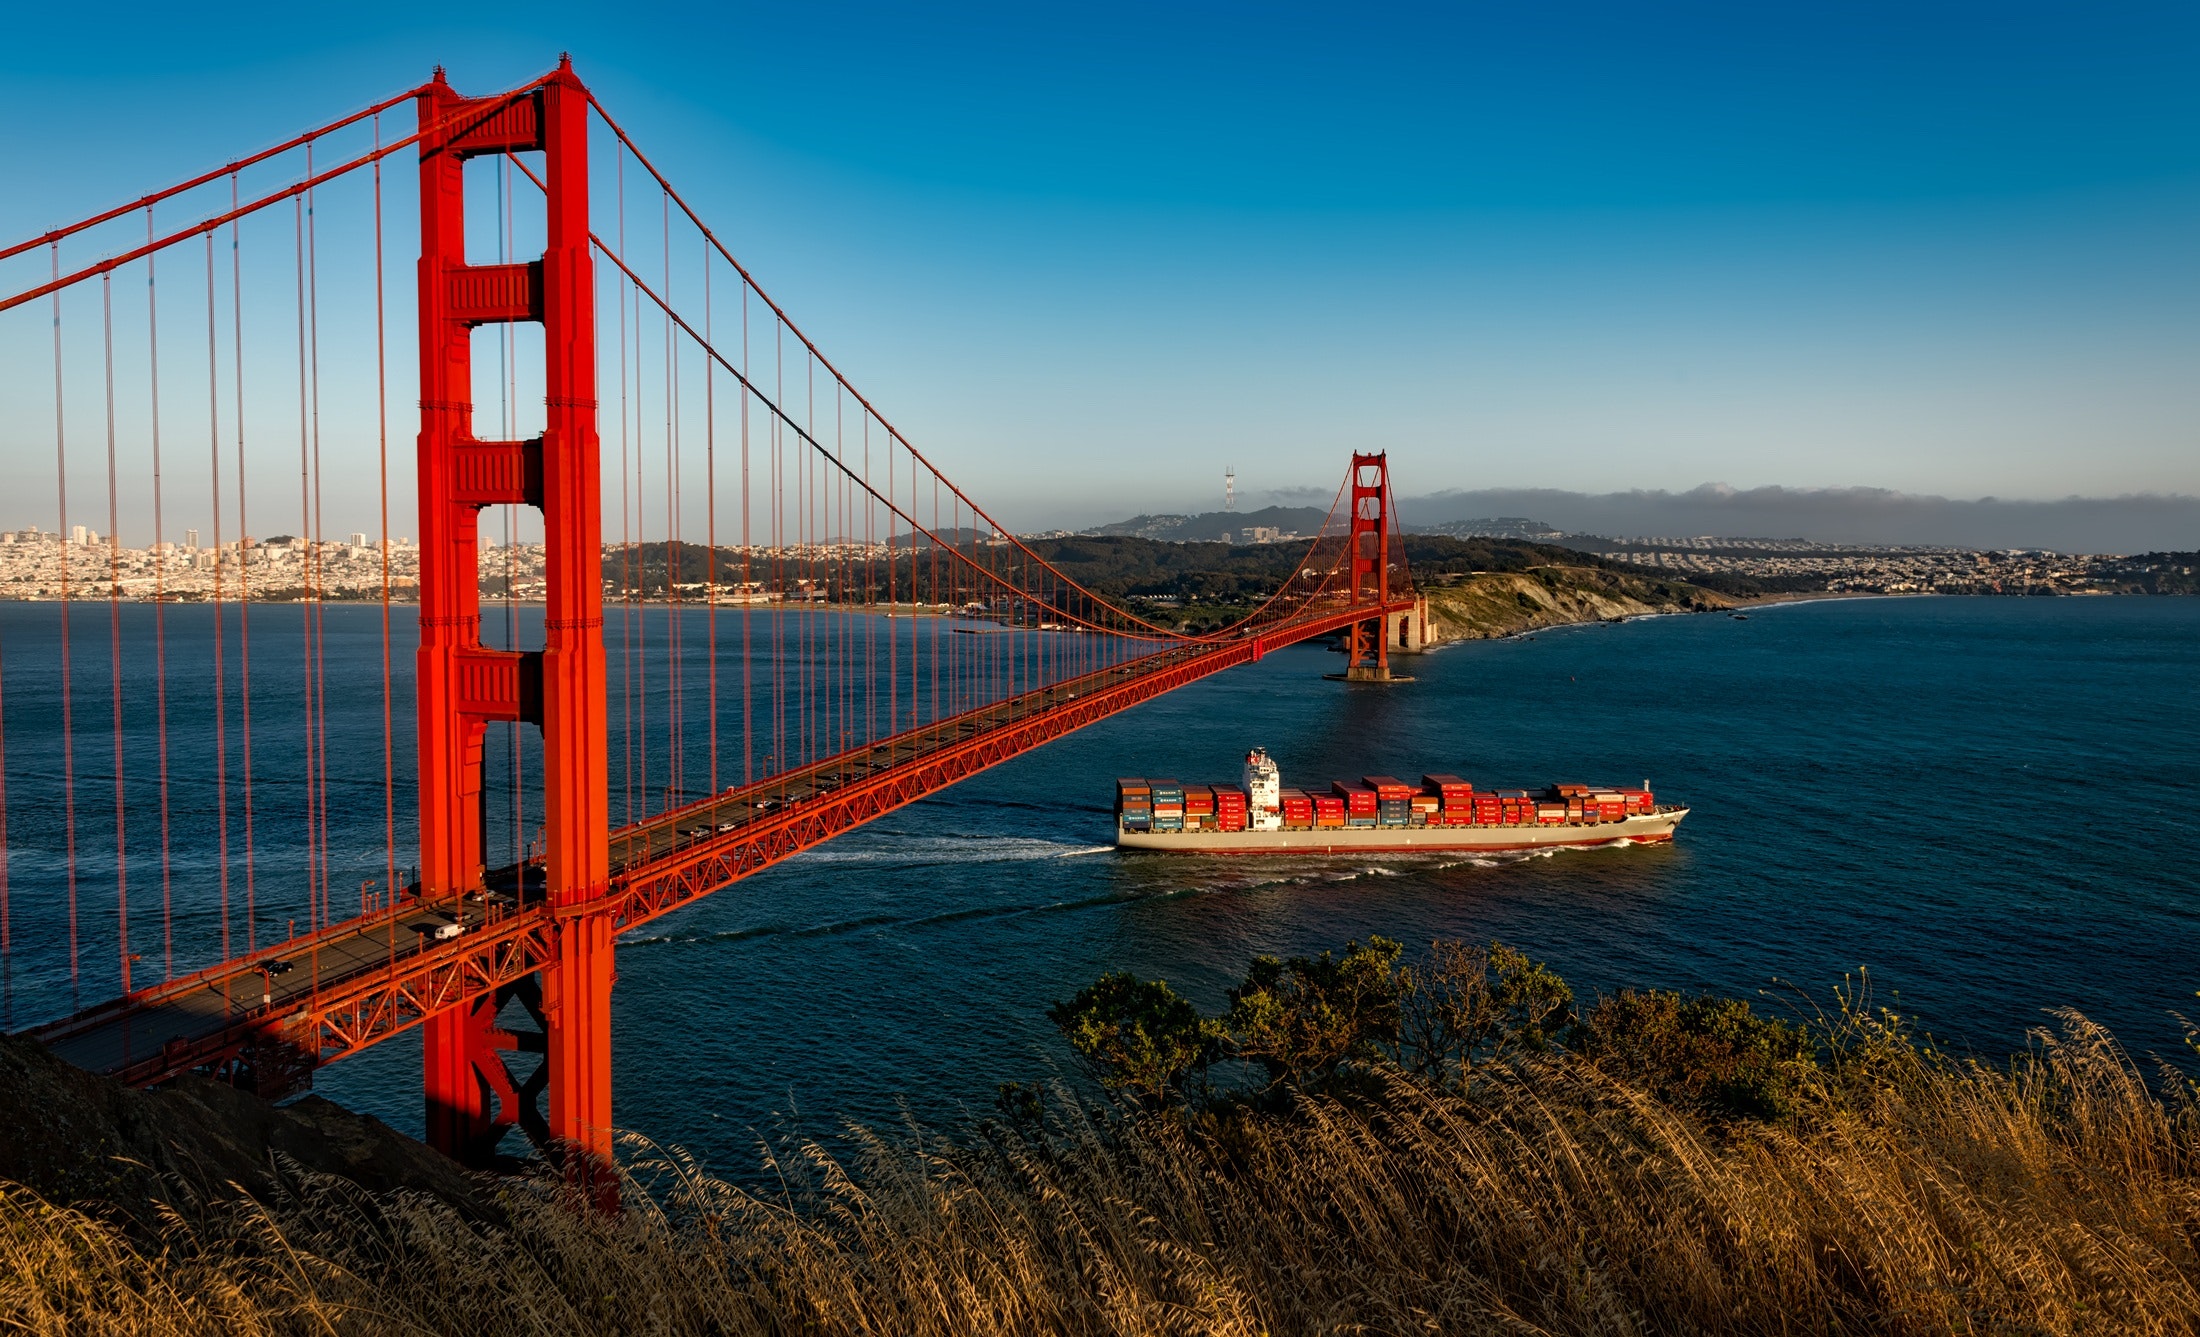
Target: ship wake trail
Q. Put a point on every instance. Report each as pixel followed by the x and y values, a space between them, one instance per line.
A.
pixel 924 851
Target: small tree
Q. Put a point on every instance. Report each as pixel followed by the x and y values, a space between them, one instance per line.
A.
pixel 1466 1005
pixel 1138 1037
pixel 1302 1017
pixel 1538 1005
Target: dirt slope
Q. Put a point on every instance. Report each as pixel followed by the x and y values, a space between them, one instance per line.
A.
pixel 80 1138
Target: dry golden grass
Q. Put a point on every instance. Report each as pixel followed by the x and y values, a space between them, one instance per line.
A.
pixel 1913 1194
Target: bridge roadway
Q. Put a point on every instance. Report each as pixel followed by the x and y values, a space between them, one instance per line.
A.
pixel 350 985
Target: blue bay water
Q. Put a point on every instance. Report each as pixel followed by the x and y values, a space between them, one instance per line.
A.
pixel 1988 803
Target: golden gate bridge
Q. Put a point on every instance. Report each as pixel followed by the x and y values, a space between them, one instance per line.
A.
pixel 853 631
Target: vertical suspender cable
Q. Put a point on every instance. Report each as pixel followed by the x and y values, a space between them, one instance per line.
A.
pixel 775 642
pixel 794 478
pixel 221 677
pixel 641 546
pixel 316 542
pixel 893 633
pixel 160 620
pixel 114 635
pixel 748 568
pixel 382 478
pixel 305 563
pixel 244 580
pixel 806 500
pixel 710 525
pixel 674 771
pixel 838 538
pixel 626 542
pixel 873 597
pixel 68 724
pixel 934 549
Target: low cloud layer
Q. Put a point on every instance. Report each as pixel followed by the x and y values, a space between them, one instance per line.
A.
pixel 2138 523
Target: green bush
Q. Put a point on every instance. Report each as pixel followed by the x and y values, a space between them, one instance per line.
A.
pixel 1712 1053
pixel 1138 1037
pixel 1303 1017
pixel 1322 1023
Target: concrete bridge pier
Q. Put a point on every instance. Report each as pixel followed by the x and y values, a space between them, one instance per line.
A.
pixel 1404 632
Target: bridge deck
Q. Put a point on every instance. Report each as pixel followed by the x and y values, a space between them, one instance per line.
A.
pixel 360 981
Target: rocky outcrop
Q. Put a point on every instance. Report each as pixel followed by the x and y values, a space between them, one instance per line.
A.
pixel 1489 604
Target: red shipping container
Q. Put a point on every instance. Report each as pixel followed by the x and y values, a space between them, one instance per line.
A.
pixel 1388 787
pixel 1359 799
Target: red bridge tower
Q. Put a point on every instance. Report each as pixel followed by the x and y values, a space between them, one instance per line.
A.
pixel 463 686
pixel 1367 645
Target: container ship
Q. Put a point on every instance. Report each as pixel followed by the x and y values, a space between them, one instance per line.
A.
pixel 1260 815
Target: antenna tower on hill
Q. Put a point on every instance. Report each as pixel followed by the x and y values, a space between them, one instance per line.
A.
pixel 1229 487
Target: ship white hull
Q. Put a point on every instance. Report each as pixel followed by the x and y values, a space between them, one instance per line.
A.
pixel 1643 828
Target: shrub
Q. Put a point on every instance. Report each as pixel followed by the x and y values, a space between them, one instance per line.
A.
pixel 1137 1037
pixel 1302 1017
pixel 1466 1005
pixel 1715 1054
pixel 1320 1023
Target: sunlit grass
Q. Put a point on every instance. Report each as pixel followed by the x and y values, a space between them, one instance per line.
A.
pixel 1906 1193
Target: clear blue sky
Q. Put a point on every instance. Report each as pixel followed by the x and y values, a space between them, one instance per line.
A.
pixel 1087 255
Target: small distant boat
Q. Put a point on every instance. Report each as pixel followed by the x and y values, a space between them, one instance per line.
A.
pixel 1739 617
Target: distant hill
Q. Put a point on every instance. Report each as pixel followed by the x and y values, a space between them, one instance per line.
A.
pixel 1854 516
pixel 1215 526
pixel 1304 521
pixel 1499 527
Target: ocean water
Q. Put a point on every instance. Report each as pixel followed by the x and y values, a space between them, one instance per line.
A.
pixel 1987 803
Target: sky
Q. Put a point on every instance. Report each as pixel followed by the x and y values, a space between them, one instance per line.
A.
pixel 1088 256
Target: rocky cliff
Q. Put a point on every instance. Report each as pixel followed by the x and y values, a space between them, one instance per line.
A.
pixel 1488 604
